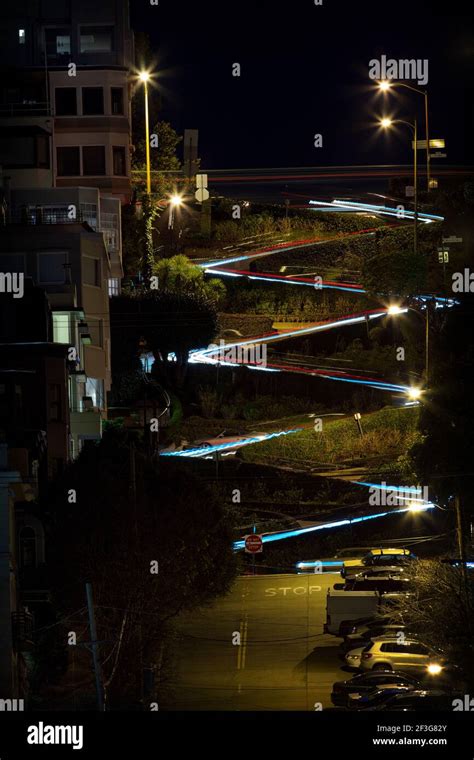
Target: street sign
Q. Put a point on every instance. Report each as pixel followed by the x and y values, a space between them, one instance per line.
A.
pixel 409 191
pixel 438 155
pixel 452 239
pixel 421 144
pixel 253 543
pixel 202 194
pixel 201 180
pixel 443 256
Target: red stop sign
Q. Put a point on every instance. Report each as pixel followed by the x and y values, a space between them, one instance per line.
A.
pixel 253 543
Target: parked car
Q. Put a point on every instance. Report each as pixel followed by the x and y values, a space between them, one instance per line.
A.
pixel 334 563
pixel 377 696
pixel 422 699
pixel 370 572
pixel 411 655
pixel 363 638
pixel 385 556
pixel 363 683
pixel 381 583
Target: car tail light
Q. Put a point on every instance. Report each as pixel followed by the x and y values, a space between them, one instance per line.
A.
pixel 366 655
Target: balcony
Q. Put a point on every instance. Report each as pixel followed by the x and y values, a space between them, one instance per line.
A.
pixel 26 108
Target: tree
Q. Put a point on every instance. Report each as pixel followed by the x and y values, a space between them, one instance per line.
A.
pixel 149 551
pixel 441 612
pixel 399 272
pixel 179 275
pixel 167 324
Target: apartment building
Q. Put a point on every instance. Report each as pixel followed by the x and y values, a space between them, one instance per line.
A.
pixel 65 96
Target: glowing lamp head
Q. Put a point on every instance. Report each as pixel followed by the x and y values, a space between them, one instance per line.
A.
pixel 434 669
pixel 414 506
pixel 176 200
pixel 394 309
pixel 386 123
pixel 414 393
pixel 384 86
pixel 144 76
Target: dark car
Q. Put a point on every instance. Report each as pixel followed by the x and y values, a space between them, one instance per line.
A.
pixel 420 699
pixel 350 626
pixel 366 682
pixel 378 697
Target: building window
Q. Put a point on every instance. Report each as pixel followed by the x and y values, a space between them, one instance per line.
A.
pixel 65 100
pixel 68 162
pixel 58 43
pixel 51 267
pixel 12 262
pixel 97 39
pixel 21 37
pixel 120 166
pixel 27 542
pixel 91 271
pixel 92 101
pixel 42 151
pixel 93 160
pixel 114 286
pixel 117 101
pixel 88 213
pixel 55 407
pixel 61 327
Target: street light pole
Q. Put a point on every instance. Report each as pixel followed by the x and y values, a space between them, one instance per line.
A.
pixel 147 134
pixel 144 76
pixel 385 87
pixel 385 123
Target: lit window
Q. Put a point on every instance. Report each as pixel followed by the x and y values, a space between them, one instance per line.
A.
pixel 114 286
pixel 21 36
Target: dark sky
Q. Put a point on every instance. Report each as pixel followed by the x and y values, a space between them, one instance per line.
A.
pixel 304 70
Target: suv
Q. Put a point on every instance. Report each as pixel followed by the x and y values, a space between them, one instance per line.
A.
pixel 388 653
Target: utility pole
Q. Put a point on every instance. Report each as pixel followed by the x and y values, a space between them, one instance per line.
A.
pixel 95 649
pixel 461 544
pixel 415 183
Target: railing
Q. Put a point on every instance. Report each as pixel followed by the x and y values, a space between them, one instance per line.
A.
pixel 25 109
pixel 40 216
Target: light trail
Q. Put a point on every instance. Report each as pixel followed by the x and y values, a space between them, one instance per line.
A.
pixel 204 451
pixel 283 247
pixel 292 533
pixel 281 279
pixel 352 206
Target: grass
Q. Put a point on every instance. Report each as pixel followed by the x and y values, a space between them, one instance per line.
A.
pixel 388 434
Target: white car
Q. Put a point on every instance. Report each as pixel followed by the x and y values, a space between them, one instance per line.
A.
pixel 406 654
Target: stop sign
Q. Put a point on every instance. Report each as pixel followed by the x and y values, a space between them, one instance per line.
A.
pixel 253 543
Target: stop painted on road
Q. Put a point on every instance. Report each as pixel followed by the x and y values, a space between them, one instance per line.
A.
pixel 297 590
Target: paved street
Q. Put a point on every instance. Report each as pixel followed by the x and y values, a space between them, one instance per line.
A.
pixel 284 661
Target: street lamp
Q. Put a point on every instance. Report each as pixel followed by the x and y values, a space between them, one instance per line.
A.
pixel 386 123
pixel 414 393
pixel 385 86
pixel 144 77
pixel 175 201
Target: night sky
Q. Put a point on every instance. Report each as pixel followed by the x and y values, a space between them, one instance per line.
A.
pixel 305 71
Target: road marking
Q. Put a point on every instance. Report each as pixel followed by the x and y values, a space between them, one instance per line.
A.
pixel 242 648
pixel 298 590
